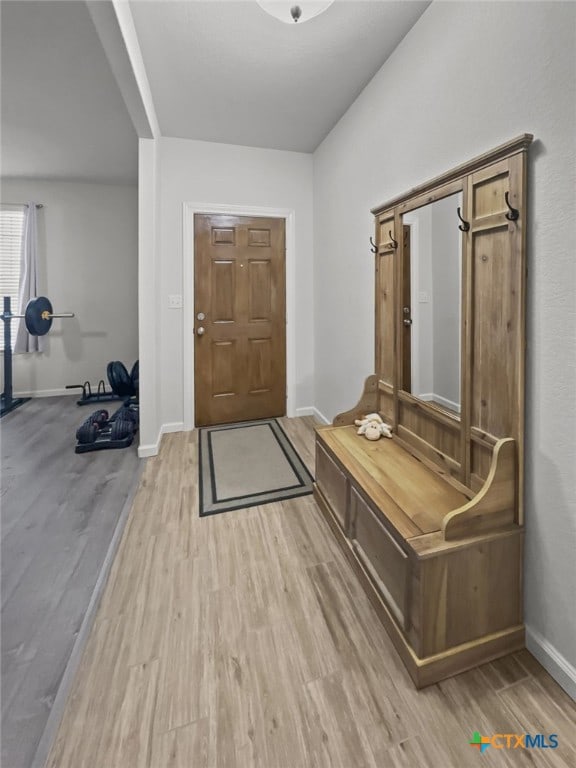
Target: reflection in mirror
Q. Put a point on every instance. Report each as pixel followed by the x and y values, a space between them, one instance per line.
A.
pixel 432 273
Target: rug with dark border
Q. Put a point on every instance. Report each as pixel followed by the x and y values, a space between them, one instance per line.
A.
pixel 248 464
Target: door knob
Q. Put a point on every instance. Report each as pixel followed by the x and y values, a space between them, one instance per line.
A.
pixel 200 331
pixel 407 321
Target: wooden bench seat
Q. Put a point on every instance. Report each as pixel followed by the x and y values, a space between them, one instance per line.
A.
pixel 432 558
pixel 416 499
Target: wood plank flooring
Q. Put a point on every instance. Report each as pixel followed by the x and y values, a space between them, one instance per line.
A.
pixel 59 513
pixel 243 639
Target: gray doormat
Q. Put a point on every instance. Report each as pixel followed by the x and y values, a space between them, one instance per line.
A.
pixel 247 464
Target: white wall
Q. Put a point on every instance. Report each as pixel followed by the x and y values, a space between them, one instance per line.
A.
pixel 88 253
pixel 202 172
pixel 467 77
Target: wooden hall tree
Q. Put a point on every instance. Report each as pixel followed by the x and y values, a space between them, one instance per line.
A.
pixel 432 520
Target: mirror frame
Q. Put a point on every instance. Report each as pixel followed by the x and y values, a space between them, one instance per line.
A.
pixel 492 362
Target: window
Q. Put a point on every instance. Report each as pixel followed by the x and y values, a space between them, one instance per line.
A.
pixel 11 230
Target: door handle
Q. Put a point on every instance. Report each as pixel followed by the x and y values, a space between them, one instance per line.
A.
pixel 407 321
pixel 200 331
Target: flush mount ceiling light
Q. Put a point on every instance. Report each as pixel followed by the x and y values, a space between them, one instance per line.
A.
pixel 293 12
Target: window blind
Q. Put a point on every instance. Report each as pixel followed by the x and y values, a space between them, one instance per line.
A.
pixel 11 230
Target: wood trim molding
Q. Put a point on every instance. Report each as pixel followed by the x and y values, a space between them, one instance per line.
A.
pixel 436 412
pixel 512 147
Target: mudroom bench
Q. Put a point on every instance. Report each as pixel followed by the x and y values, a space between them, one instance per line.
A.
pixel 440 567
pixel 432 518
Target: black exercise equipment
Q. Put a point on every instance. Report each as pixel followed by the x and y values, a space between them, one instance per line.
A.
pixel 123 385
pixel 99 434
pixel 120 380
pixel 135 376
pixel 86 433
pixel 99 417
pixel 38 318
pixel 121 428
pixel 102 395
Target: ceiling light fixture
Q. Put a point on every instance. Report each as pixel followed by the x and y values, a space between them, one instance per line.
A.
pixel 291 12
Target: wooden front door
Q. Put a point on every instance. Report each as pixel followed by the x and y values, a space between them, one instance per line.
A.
pixel 240 342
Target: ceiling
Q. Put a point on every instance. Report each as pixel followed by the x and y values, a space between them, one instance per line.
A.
pixel 228 72
pixel 219 70
pixel 62 113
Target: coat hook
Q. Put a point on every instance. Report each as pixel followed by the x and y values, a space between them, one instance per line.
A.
pixel 465 226
pixel 394 242
pixel 513 213
pixel 374 248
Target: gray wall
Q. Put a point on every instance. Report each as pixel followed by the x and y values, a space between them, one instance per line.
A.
pixel 88 252
pixel 466 78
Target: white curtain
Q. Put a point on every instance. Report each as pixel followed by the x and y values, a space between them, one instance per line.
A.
pixel 28 281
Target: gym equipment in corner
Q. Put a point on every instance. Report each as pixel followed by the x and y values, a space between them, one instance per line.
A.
pixel 100 432
pixel 123 385
pixel 102 395
pixel 38 317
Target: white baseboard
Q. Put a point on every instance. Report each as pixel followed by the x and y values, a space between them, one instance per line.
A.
pixel 320 416
pixel 151 449
pixel 48 393
pixel 439 400
pixel 308 411
pixel 443 401
pixel 560 668
pixel 172 426
pixel 312 411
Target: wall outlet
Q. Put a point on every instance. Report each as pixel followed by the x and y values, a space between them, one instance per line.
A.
pixel 424 297
pixel 174 301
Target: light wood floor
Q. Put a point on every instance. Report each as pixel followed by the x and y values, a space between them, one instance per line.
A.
pixel 59 514
pixel 243 640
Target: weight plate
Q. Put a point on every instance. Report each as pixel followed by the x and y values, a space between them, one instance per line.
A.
pixel 119 379
pixel 35 323
pixel 121 429
pixel 126 414
pixel 135 376
pixel 86 433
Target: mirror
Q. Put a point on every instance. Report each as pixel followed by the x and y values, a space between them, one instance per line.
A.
pixel 432 277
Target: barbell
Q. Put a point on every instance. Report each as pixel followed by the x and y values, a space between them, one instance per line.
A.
pixel 38 316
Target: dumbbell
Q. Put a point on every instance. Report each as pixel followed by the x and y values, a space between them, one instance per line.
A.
pixel 127 414
pixel 88 431
pixel 119 429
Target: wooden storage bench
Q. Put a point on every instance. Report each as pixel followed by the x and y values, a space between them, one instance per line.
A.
pixel 432 519
pixel 448 603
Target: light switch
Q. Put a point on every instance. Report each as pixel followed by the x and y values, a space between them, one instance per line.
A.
pixel 174 301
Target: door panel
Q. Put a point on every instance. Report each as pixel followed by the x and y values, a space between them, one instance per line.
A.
pixel 240 355
pixel 223 291
pixel 260 279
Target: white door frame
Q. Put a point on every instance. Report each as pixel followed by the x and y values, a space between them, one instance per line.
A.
pixel 188 211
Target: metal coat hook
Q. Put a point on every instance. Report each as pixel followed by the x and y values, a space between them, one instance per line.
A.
pixel 374 247
pixel 465 226
pixel 513 213
pixel 394 242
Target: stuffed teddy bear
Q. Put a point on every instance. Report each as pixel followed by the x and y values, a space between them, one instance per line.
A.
pixel 373 427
